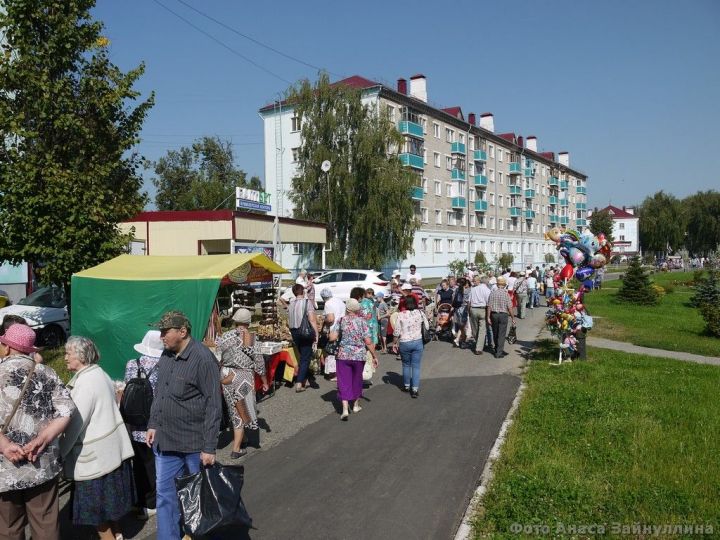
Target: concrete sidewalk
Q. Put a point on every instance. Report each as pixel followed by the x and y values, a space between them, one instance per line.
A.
pixel 635 349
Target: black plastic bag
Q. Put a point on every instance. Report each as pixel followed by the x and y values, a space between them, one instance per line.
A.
pixel 210 500
pixel 512 335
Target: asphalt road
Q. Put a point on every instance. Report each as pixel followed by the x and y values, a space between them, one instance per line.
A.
pixel 401 468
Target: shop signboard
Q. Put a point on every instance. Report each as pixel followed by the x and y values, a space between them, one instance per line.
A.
pixel 250 199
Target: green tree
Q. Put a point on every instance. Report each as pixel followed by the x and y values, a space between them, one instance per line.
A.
pixel 505 260
pixel 365 196
pixel 550 258
pixel 68 174
pixel 200 177
pixel 703 223
pixel 636 285
pixel 457 267
pixel 661 224
pixel 602 222
pixel 480 258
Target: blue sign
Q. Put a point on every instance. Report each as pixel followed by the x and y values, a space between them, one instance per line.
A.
pixel 252 205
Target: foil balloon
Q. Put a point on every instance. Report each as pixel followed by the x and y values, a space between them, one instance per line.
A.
pixel 584 273
pixel 598 260
pixel 567 271
pixel 554 234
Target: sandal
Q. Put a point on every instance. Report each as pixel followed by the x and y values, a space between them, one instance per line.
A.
pixel 241 453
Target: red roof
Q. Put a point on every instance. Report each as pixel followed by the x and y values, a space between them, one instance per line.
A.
pixel 618 213
pixel 508 137
pixel 356 81
pixel 454 111
pixel 548 155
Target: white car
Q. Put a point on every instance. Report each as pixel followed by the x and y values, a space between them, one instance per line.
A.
pixel 341 282
pixel 46 312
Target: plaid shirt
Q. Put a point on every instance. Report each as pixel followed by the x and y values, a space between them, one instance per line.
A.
pixel 499 301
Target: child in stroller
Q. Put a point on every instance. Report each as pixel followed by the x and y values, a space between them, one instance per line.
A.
pixel 444 323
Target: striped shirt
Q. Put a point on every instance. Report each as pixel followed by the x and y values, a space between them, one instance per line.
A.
pixel 186 409
pixel 499 301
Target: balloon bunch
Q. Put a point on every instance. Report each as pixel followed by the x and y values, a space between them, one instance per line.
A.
pixel 583 253
pixel 567 317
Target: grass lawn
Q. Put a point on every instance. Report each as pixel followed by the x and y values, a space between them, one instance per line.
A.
pixel 55 358
pixel 671 325
pixel 618 439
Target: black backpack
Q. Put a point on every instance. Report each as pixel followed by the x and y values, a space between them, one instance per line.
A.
pixel 137 398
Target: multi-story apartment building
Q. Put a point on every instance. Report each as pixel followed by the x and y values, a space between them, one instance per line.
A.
pixel 476 190
pixel 626 239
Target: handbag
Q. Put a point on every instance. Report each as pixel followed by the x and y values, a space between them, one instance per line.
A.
pixel 16 405
pixel 305 330
pixel 332 347
pixel 368 368
pixel 210 500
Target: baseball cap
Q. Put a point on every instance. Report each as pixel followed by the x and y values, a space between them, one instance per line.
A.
pixel 379 294
pixel 172 319
pixel 406 287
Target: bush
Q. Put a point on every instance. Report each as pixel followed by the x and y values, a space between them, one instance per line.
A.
pixel 711 314
pixel 636 286
pixel 659 291
pixel 506 260
pixel 549 258
pixel 457 267
pixel 480 258
pixel 669 288
pixel 707 289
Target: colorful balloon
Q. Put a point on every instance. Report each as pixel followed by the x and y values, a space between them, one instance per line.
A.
pixel 567 271
pixel 584 273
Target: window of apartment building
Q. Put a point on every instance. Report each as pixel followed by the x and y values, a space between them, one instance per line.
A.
pixel 448 163
pixel 438 217
pixel 501 245
pixel 450 217
pixel 296 249
pixel 424 215
pixel 436 159
pixel 424 156
pixel 461 138
pixel 436 130
pixel 492 246
pixel 390 112
pixel 437 245
pixel 482 245
pixel 471 168
pixel 472 246
pixel 471 195
pixel 492 223
pixel 491 175
pixel 481 223
pixel 423 245
pixel 578 214
pixel 425 185
pixel 461 246
pixel 451 245
pixel 509 247
pixel 296 154
pixel 463 219
pixel 472 220
pixel 491 151
pixel 622 237
pixel 471 142
pixel 449 135
pixel 448 189
pixel 295 123
pixel 492 199
pixel 621 226
pixel 500 178
pixel 510 225
pixel 461 189
pixel 438 188
pixel 537 228
pixel 501 200
pixel 499 154
pixel 501 223
pixel 423 123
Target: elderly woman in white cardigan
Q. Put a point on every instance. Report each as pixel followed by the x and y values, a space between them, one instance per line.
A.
pixel 96 445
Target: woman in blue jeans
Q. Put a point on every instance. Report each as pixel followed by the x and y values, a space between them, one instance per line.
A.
pixel 408 333
pixel 305 345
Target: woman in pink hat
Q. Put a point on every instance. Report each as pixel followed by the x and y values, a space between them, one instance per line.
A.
pixel 35 408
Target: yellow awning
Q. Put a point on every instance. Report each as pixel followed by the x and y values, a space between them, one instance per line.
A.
pixel 152 268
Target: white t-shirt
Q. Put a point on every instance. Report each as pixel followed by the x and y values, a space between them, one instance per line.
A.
pixel 511 283
pixel 532 283
pixel 336 307
pixel 288 295
pixel 301 281
pixel 492 282
pixel 416 276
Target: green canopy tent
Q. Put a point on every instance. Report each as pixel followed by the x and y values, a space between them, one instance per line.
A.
pixel 113 303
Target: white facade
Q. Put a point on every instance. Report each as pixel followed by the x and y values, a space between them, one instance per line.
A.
pixel 625 233
pixel 453 226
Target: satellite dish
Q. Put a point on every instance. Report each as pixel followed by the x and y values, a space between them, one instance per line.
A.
pixel 325 166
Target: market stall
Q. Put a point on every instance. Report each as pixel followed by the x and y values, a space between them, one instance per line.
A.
pixel 114 302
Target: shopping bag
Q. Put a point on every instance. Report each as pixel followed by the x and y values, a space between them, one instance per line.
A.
pixel 210 500
pixel 512 335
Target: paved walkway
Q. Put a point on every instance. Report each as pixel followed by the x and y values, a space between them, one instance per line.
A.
pixel 401 468
pixel 635 349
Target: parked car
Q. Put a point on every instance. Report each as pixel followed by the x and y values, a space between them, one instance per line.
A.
pixel 341 282
pixel 46 312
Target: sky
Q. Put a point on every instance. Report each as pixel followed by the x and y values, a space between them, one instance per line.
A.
pixel 630 88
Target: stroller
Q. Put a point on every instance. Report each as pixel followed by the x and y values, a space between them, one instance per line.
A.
pixel 444 323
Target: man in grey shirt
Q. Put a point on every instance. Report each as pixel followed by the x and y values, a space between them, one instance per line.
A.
pixel 479 295
pixel 185 415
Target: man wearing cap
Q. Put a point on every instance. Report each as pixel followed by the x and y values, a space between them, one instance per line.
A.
pixel 499 308
pixel 185 416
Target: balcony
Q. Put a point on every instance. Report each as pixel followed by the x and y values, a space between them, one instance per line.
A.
pixel 564 220
pixel 581 222
pixel 552 199
pixel 515 211
pixel 580 190
pixel 515 168
pixel 480 155
pixel 458 174
pixel 410 128
pixel 481 180
pixel 581 206
pixel 553 218
pixel 457 148
pixel 481 206
pixel 563 184
pixel 529 214
pixel 529 193
pixel 458 203
pixel 417 193
pixel 515 190
pixel 529 172
pixel 563 202
pixel 411 160
pixel 553 181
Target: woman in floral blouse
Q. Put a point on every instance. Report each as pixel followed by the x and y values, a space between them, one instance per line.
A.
pixel 239 361
pixel 29 464
pixel 355 339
